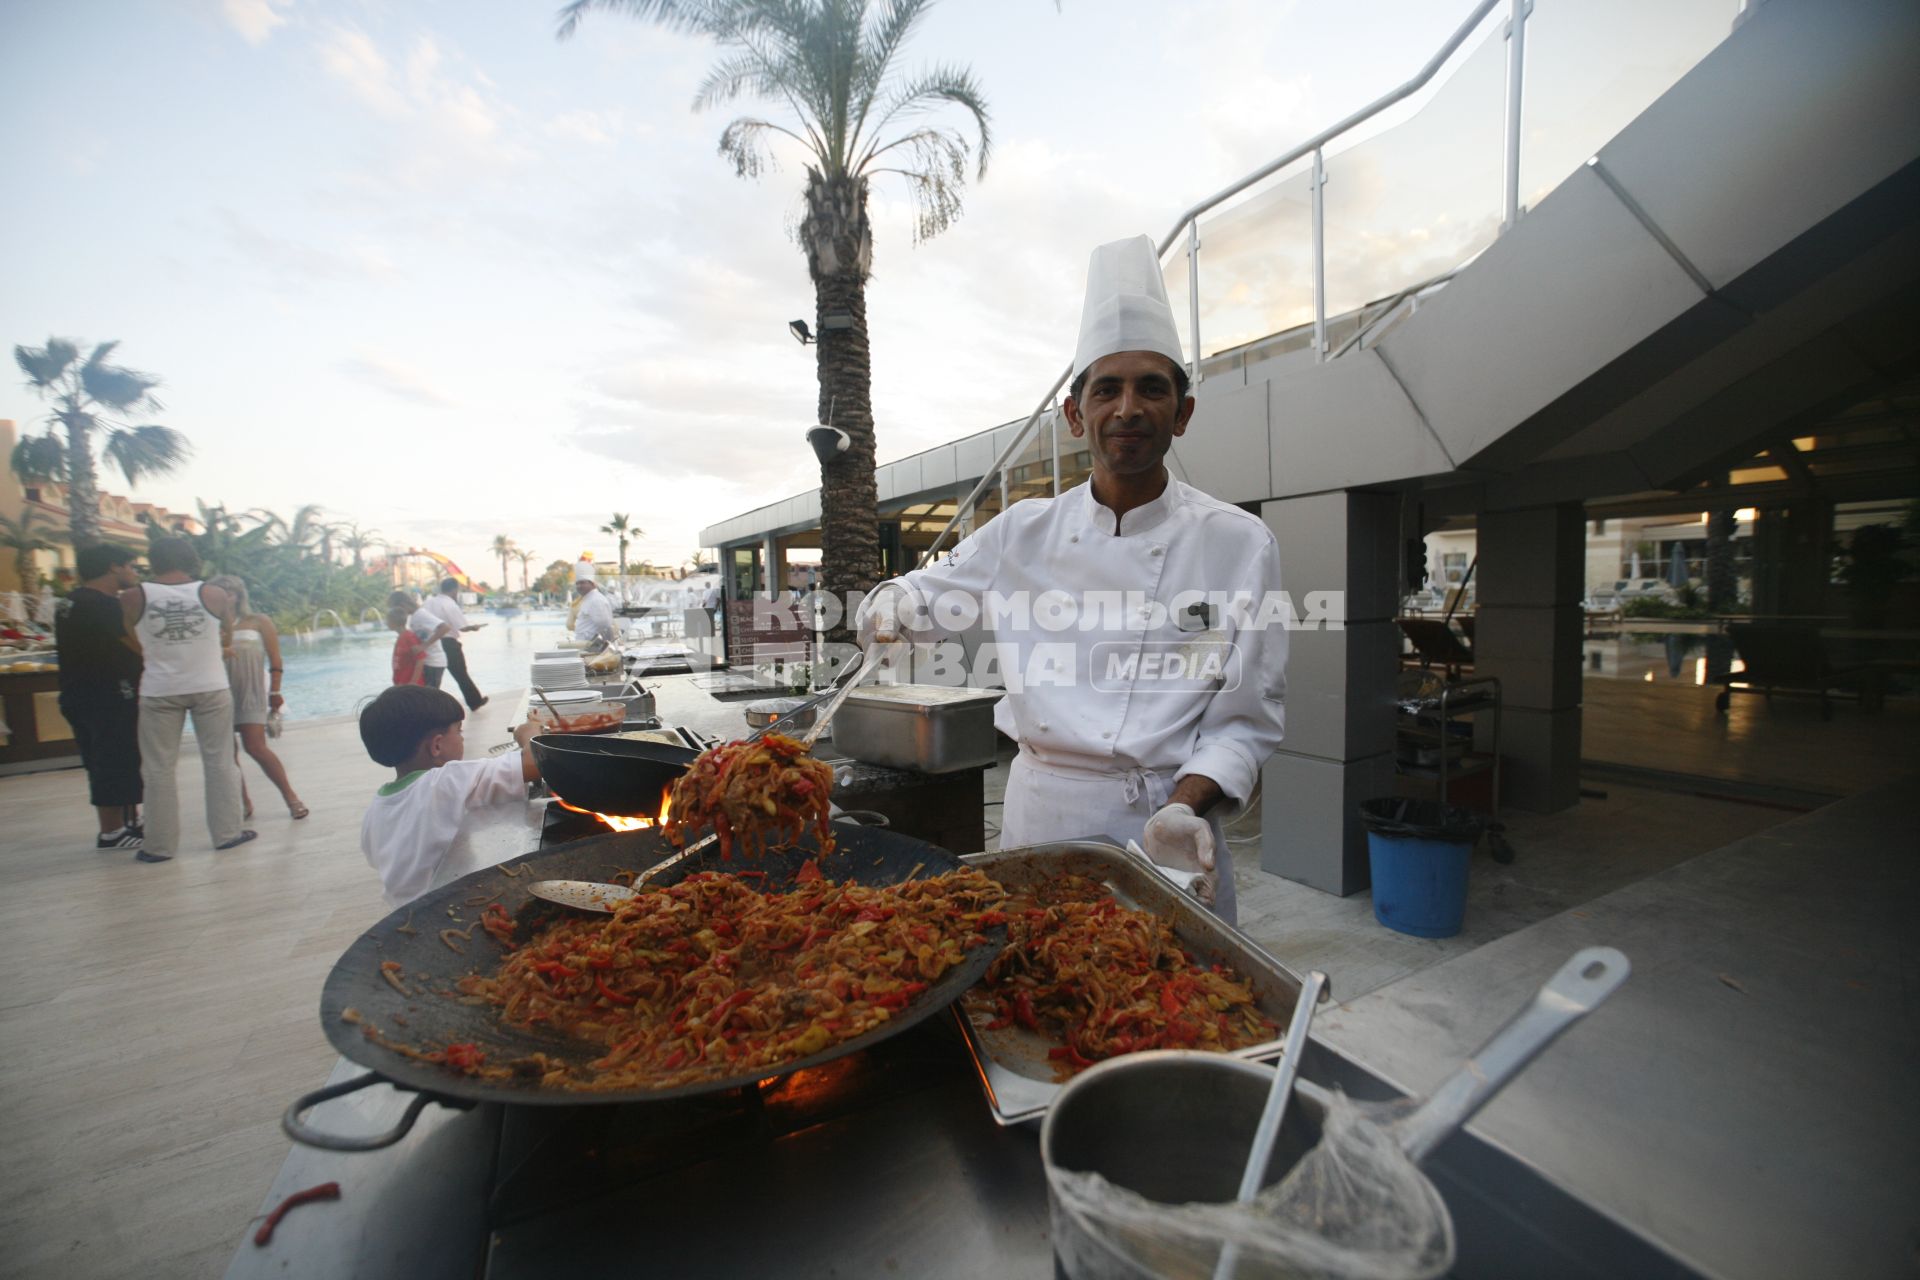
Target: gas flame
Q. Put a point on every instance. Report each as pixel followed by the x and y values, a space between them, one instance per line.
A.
pixel 624 822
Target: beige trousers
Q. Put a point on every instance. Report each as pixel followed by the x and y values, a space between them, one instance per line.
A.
pixel 162 721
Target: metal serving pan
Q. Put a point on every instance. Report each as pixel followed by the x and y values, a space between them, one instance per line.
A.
pixel 1012 1063
pixel 923 727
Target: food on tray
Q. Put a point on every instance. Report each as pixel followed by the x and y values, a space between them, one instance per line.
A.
pixel 608 661
pixel 754 794
pixel 1104 980
pixel 710 978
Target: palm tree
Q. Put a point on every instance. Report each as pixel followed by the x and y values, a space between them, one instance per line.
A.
pixel 82 392
pixel 525 558
pixel 23 538
pixel 503 547
pixel 854 116
pixel 619 527
pixel 358 540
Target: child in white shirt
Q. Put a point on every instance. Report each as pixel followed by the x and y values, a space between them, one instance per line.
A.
pixel 412 827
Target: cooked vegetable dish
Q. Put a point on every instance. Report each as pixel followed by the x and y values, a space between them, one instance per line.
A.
pixel 709 978
pixel 756 795
pixel 1104 980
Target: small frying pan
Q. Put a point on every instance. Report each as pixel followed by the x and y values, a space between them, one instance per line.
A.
pixel 609 775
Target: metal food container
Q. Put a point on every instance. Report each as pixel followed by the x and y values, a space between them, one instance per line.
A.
pixel 765 712
pixel 928 728
pixel 1013 1065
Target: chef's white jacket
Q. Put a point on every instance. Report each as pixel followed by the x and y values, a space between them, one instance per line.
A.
pixel 1172 659
pixel 595 619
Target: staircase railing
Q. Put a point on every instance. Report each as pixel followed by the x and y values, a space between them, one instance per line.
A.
pixel 1189 224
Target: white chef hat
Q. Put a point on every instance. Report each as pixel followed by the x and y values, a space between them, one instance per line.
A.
pixel 1126 307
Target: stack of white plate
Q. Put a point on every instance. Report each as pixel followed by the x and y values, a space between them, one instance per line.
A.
pixel 558 669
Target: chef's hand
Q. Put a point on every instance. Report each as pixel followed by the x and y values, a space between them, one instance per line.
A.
pixel 1179 838
pixel 883 624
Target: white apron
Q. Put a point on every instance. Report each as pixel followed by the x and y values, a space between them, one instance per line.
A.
pixel 1046 803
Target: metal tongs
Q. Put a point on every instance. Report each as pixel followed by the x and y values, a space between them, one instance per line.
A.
pixel 830 698
pixel 589 896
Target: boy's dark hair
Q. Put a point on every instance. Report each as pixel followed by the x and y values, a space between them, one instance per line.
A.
pixel 172 555
pixel 402 599
pixel 398 615
pixel 393 725
pixel 97 558
pixel 449 585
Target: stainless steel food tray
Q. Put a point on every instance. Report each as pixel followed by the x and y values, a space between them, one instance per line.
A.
pixel 925 728
pixel 1012 1063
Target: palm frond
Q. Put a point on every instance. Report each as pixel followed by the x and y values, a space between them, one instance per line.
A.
pixel 886 32
pixel 715 18
pixel 930 90
pixel 117 387
pixel 145 451
pixel 732 76
pixel 744 143
pixel 42 457
pixel 45 365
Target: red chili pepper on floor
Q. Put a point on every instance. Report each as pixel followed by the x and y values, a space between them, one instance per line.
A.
pixel 325 1191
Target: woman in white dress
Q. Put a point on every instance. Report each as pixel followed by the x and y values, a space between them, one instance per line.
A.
pixel 253 670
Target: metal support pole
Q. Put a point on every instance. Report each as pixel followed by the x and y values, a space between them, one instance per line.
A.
pixel 1319 183
pixel 1053 431
pixel 1516 63
pixel 1193 293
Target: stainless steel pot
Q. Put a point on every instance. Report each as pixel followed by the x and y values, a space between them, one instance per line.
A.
pixel 1175 1126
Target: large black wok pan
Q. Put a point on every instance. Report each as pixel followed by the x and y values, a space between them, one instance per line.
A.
pixel 430 971
pixel 609 775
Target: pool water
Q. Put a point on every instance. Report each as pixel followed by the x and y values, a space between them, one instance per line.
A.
pixel 332 673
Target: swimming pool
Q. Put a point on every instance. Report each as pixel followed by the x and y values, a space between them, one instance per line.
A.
pixel 332 672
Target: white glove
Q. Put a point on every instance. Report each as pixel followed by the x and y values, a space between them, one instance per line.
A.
pixel 882 624
pixel 1177 837
pixel 1203 886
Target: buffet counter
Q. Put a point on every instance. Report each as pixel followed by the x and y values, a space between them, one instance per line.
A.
pixel 36 735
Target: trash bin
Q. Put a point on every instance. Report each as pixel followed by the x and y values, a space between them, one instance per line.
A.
pixel 1419 851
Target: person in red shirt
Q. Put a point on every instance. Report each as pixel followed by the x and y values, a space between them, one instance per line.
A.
pixel 409 650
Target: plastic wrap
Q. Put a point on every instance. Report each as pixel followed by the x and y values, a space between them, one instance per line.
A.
pixel 1353 1208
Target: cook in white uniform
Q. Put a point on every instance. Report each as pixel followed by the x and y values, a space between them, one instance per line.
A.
pixel 1147 673
pixel 595 618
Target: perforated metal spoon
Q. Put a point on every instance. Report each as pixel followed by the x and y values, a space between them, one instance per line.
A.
pixel 583 895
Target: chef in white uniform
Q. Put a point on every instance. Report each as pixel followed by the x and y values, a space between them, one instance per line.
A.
pixel 594 620
pixel 1146 672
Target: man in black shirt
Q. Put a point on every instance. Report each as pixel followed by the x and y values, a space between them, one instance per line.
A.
pixel 100 689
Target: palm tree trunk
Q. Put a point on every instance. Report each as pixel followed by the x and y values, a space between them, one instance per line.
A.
pixel 839 243
pixel 83 491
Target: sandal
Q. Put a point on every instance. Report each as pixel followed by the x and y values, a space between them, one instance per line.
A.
pixel 298 810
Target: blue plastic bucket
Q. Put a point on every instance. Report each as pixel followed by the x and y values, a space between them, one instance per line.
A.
pixel 1419 852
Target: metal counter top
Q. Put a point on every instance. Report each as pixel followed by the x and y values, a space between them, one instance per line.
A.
pixel 1747 1099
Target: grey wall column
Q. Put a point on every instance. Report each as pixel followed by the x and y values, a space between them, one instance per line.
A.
pixel 1340 686
pixel 1527 632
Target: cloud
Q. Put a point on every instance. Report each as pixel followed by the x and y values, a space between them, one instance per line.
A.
pixel 292 265
pixel 255 20
pixel 397 379
pixel 441 117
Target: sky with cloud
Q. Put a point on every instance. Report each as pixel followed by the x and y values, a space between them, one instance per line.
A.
pixel 425 265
